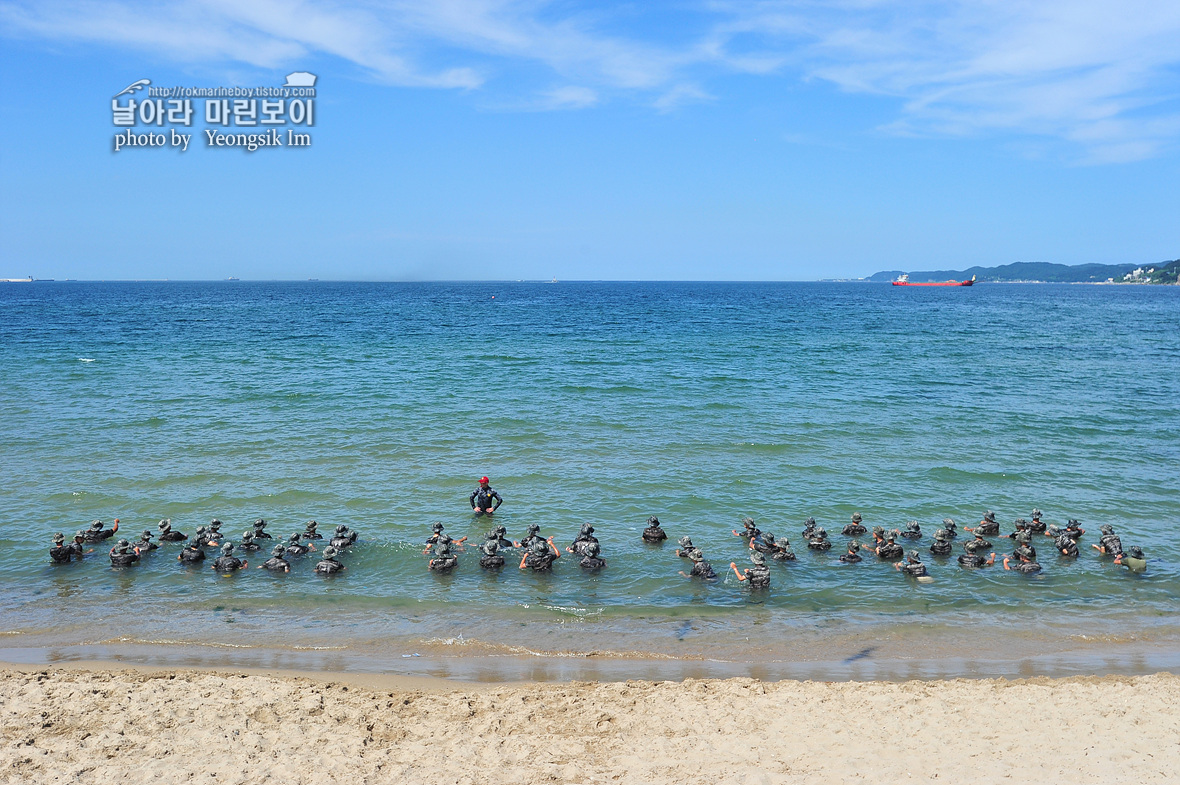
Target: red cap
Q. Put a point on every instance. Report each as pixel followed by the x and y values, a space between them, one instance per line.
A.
pixel 483 479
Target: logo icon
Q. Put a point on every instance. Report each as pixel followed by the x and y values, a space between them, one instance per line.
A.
pixel 135 86
pixel 300 79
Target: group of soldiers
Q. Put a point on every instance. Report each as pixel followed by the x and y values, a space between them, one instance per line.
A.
pixel 538 553
pixel 126 553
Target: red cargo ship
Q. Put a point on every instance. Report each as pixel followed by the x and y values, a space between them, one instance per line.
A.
pixel 904 280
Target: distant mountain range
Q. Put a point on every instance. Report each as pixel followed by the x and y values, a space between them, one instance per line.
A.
pixel 1162 272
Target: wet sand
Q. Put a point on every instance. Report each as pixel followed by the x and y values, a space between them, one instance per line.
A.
pixel 95 723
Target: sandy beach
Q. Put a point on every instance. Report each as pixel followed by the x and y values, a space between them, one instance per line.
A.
pixel 101 724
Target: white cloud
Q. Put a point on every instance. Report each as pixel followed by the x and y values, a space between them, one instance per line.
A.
pixel 1098 74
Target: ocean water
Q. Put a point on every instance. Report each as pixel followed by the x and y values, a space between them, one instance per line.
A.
pixel 378 405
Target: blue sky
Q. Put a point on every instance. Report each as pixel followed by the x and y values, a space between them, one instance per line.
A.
pixel 479 139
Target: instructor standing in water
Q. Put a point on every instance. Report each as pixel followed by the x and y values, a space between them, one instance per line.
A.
pixel 484 500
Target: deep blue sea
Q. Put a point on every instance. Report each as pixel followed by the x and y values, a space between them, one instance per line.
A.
pixel 378 405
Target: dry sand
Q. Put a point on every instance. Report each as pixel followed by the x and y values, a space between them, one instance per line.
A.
pixel 165 726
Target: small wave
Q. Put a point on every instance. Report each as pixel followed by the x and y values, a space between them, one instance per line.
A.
pixel 168 642
pixel 11 632
pixel 85 359
pixel 318 648
pixel 581 613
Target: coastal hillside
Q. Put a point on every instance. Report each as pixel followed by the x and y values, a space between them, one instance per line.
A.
pixel 1161 272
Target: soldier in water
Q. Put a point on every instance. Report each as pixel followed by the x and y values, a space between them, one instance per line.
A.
pixel 912 531
pixel 1109 544
pixel 1036 525
pixel 951 528
pixel 988 527
pixel 856 528
pixel 654 533
pixel 310 533
pixel 1024 563
pixel 444 558
pixel 500 535
pixel 590 558
pixel 942 543
pixel 296 548
pixel 489 552
pixel 227 562
pixel 61 552
pixel 749 530
pixel 123 555
pixel 890 549
pixel 540 556
pixel 912 566
pixel 276 562
pixel 329 564
pixel 584 538
pixel 259 530
pixel 819 540
pixel 248 543
pixel 758 575
pixel 1133 560
pixel 700 568
pixel 853 554
pixel 685 548
pixel 167 534
pixel 96 532
pixel 484 500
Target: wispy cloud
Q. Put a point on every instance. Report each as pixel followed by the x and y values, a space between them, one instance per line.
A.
pixel 1099 74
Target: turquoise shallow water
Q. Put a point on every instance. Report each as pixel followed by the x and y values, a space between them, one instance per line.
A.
pixel 377 405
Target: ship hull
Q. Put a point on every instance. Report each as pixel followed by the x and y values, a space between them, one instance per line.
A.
pixel 933 283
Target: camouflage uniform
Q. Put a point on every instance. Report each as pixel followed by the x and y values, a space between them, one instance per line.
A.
pixel 540 557
pixel 914 566
pixel 499 534
pixel 61 553
pixel 685 547
pixel 970 559
pixel 311 533
pixel 1036 525
pixel 1073 530
pixel 749 531
pixel 809 528
pixel 1027 567
pixel 435 529
pixel 490 558
pixel 166 532
pixel 248 544
pixel 295 547
pixel 259 534
pixel 1110 542
pixel 950 527
pixel 942 544
pixel 533 536
pixel 912 531
pixel 763 544
pixel 584 538
pixel 329 564
pixel 759 574
pixel 145 543
pixel 202 537
pixel 978 544
pixel 700 567
pixel 444 559
pixel 782 550
pixel 653 533
pixel 890 549
pixel 344 537
pixel 819 540
pixel 1066 546
pixel 988 527
pixel 854 529
pixel 591 560
pixel 227 562
pixel 96 533
pixel 123 554
pixel 853 555
pixel 191 553
pixel 276 560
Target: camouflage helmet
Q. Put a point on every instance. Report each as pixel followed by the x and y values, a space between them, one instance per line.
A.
pixel 878 530
pixel 748 522
pixel 809 522
pixel 79 535
pixel 1036 514
pixel 587 528
pixel 247 536
pixel 1135 552
pixel 539 548
pixel 341 529
pixel 856 517
pixel 277 550
pixel 1052 530
pixel 227 547
pixel 948 522
pixel 915 556
pixel 758 558
pixel 768 538
pixel 95 526
pixel 146 535
pixel 311 525
pixel 330 552
pixel 59 538
pixel 500 531
pixel 696 555
pixel 164 525
pixel 1106 528
pixel 1072 522
pixel 854 546
pixel 912 526
pixel 685 542
pixel 891 535
pixel 214 525
pixel 490 546
pixel 259 524
pixel 942 534
pixel 1022 552
pixel 533 528
pixel 1022 537
pixel 436 526
pixel 592 549
pixel 821 532
pixel 293 539
pixel 653 521
pixel 201 530
pixel 989 516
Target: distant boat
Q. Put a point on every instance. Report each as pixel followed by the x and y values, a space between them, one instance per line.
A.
pixel 904 280
pixel 554 279
pixel 231 278
pixel 17 280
